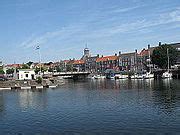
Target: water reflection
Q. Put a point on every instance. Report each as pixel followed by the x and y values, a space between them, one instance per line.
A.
pixel 94 106
pixel 30 99
pixel 1 102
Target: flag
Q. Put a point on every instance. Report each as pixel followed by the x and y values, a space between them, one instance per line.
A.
pixel 37 47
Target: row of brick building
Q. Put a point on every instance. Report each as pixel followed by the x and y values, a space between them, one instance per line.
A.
pixel 133 61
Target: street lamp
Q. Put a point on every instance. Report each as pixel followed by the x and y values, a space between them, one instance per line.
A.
pixel 38 48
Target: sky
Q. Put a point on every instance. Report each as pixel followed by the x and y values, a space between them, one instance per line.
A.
pixel 62 28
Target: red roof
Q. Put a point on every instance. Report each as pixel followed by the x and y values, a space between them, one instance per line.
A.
pixel 14 65
pixel 107 58
pixel 76 62
pixel 144 52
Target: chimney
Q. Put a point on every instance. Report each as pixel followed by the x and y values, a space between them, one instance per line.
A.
pixel 136 51
pixel 149 46
pixel 159 43
pixel 119 52
pixel 115 54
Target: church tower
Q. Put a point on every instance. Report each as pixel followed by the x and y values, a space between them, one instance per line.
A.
pixel 86 53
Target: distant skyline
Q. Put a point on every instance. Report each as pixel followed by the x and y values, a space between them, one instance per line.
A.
pixel 62 28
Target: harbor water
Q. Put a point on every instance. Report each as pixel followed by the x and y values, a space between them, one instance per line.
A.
pixel 93 107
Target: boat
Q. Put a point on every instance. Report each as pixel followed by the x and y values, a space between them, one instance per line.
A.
pixel 167 74
pixel 148 75
pixel 120 76
pixel 99 77
pixel 140 76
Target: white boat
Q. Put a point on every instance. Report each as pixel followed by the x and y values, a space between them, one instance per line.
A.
pixel 140 76
pixel 99 77
pixel 120 76
pixel 148 75
pixel 167 74
pixel 134 76
pixel 137 76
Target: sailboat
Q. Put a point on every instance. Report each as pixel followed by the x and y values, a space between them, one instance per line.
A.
pixel 136 75
pixel 167 74
pixel 149 75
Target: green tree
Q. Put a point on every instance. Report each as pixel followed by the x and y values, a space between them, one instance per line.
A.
pixel 50 70
pixel 10 71
pixel 25 66
pixel 160 58
pixel 29 63
pixel 69 67
pixel 39 80
pixel 59 69
pixel 42 70
pixel 1 71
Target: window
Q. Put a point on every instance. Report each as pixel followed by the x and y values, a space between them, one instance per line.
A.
pixel 26 75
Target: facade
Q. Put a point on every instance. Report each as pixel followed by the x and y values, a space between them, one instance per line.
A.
pixel 79 65
pixel 128 61
pixel 63 64
pixel 107 62
pixel 26 74
pixel 90 64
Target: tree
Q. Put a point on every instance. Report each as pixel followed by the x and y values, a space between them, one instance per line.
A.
pixel 10 71
pixel 160 58
pixel 1 71
pixel 38 69
pixel 50 70
pixel 25 66
pixel 69 67
pixel 29 63
pixel 39 80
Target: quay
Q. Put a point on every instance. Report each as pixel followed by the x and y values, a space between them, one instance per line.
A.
pixel 27 85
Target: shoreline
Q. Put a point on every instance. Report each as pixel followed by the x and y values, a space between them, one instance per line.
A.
pixel 29 84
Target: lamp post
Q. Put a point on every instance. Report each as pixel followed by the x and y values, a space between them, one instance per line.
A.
pixel 38 48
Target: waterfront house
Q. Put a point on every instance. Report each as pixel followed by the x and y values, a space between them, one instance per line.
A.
pixel 107 62
pixel 128 61
pixel 26 74
pixel 79 65
pixel 90 64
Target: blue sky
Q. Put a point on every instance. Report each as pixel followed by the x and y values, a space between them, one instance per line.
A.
pixel 63 27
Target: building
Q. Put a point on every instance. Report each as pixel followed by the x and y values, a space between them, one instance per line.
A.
pixel 86 54
pixel 128 61
pixel 90 64
pixel 79 65
pixel 63 64
pixel 107 62
pixel 26 74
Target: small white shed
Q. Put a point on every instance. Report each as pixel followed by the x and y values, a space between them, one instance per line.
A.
pixel 26 74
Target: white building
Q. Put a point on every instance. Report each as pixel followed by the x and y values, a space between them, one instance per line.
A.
pixel 26 74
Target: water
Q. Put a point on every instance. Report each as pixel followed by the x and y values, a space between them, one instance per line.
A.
pixel 94 107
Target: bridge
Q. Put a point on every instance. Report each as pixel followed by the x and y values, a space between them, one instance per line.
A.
pixel 75 75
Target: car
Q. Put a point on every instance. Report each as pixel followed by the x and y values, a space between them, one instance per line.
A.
pixel 3 78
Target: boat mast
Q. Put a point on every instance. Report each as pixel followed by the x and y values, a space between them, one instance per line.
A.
pixel 168 57
pixel 149 61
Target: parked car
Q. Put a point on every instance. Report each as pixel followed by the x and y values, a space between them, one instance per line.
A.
pixel 3 77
